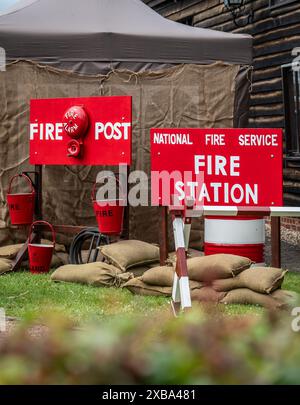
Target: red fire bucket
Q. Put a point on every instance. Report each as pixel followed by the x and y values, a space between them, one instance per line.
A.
pixel 109 213
pixel 21 206
pixel 40 255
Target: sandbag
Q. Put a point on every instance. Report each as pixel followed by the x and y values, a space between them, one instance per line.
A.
pixel 129 253
pixel 196 239
pixel 10 251
pixel 219 266
pixel 58 247
pixel 196 234
pixel 162 276
pixel 87 256
pixel 56 261
pixel 151 265
pixel 260 279
pixel 247 296
pixel 5 265
pixel 194 253
pixel 96 274
pixel 206 294
pixel 138 271
pixel 63 257
pixel 137 286
pixel 190 253
pixel 289 299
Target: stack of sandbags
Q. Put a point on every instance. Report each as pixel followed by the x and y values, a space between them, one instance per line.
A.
pixel 156 281
pixel 202 270
pixel 8 254
pixel 257 285
pixel 230 279
pixel 132 256
pixel 139 258
pixel 220 278
pixel 98 274
pixel 123 260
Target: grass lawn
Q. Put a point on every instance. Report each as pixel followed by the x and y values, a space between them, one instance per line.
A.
pixel 22 294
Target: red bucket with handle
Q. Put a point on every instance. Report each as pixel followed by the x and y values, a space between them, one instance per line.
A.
pixel 109 213
pixel 21 205
pixel 40 255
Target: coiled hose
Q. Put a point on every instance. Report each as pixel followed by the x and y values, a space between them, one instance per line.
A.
pixel 97 239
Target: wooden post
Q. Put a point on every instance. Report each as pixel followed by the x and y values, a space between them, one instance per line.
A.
pixel 126 220
pixel 163 235
pixel 39 199
pixel 275 242
pixel 39 194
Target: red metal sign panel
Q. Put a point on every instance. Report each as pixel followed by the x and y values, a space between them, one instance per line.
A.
pixel 241 167
pixel 81 131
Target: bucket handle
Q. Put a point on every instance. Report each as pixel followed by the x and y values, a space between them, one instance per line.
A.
pixel 42 223
pixel 107 177
pixel 25 177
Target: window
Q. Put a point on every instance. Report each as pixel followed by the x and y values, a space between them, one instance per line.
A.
pixel 291 95
pixel 278 3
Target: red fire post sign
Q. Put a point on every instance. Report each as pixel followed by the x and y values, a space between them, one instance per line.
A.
pixel 81 131
pixel 240 167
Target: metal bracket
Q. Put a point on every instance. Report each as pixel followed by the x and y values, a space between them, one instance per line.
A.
pixel 37 184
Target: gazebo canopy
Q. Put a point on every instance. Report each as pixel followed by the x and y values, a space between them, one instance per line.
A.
pixel 111 30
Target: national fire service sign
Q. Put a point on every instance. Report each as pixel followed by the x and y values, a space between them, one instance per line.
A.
pixel 81 131
pixel 217 166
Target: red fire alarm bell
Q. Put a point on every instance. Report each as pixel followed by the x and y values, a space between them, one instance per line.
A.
pixel 75 124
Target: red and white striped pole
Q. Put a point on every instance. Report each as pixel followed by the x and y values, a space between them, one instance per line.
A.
pixel 181 228
pixel 181 296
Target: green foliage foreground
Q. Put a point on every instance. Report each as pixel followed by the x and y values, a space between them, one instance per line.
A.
pixel 200 347
pixel 135 339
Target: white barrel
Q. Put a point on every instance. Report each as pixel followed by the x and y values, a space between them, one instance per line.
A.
pixel 242 236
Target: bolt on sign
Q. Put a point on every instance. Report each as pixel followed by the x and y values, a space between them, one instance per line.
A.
pixel 81 131
pixel 240 167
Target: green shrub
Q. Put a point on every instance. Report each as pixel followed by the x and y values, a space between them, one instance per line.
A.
pixel 196 348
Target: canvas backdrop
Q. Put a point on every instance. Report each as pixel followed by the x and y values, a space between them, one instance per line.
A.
pixel 182 96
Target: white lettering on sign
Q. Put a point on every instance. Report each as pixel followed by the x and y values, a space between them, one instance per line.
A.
pixel 258 140
pixel 172 139
pixel 46 132
pixel 54 132
pixel 216 192
pixel 217 165
pixel 215 139
pixel 111 130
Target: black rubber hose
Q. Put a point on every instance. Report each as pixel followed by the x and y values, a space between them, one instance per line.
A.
pixel 97 239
